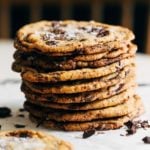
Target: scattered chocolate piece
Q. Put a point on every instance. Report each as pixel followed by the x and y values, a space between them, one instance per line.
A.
pixel 132 126
pixel 22 110
pixel 19 126
pixel 145 124
pixel 146 139
pixel 0 127
pixel 88 133
pixel 131 130
pixel 129 124
pixel 21 115
pixel 122 135
pixel 5 112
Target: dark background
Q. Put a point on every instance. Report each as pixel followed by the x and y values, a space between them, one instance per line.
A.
pixel 133 14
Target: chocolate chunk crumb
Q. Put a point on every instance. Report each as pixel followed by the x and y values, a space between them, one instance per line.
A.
pixel 132 126
pixel 88 133
pixel 146 139
pixel 131 130
pixel 145 124
pixel 5 112
pixel 22 110
pixel 129 124
pixel 24 135
pixel 21 115
pixel 122 135
pixel 20 126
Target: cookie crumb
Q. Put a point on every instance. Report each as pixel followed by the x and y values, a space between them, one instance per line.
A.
pixel 19 126
pixel 88 133
pixel 146 139
pixel 5 112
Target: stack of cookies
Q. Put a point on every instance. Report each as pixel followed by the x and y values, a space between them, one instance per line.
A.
pixel 77 75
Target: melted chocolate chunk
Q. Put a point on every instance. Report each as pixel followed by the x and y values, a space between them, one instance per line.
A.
pixel 146 139
pixel 19 126
pixel 24 135
pixel 102 32
pixel 5 112
pixel 46 37
pixel 88 133
pixel 83 40
pixel 51 42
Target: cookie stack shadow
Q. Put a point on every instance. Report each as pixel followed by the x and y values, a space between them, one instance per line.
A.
pixel 87 87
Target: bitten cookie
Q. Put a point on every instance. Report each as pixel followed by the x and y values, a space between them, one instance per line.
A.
pixel 31 140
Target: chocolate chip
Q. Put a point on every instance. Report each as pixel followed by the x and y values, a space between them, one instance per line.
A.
pixel 24 135
pixel 146 139
pixel 83 40
pixel 21 115
pixel 120 87
pixel 0 127
pixel 129 124
pixel 46 37
pixel 88 133
pixel 131 128
pixel 94 29
pixel 51 42
pixel 55 24
pixel 145 124
pixel 131 131
pixel 19 126
pixel 102 32
pixel 5 112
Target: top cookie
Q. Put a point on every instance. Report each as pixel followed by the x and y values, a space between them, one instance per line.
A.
pixel 70 36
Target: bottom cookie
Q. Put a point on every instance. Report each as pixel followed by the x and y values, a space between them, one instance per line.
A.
pixel 31 140
pixel 100 124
